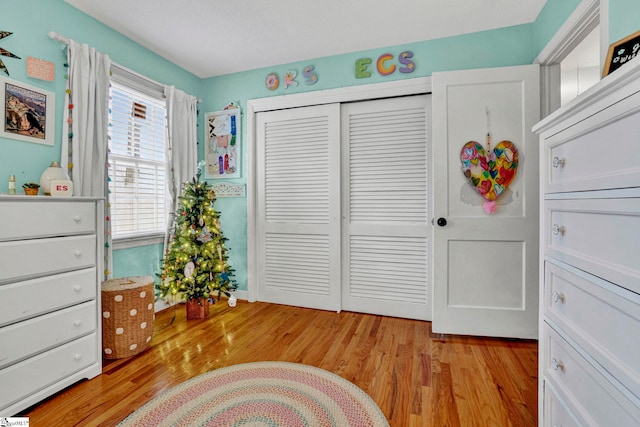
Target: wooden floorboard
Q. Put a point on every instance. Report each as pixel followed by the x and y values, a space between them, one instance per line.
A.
pixel 416 377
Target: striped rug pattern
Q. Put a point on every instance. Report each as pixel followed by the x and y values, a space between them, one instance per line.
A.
pixel 262 394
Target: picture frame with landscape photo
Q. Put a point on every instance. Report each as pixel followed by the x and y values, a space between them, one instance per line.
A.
pixel 29 112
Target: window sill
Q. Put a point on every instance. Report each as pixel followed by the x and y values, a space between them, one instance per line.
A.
pixel 137 241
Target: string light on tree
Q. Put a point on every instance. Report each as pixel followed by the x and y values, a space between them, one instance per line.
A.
pixel 196 262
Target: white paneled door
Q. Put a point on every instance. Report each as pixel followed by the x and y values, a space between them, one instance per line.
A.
pixel 342 206
pixel 298 206
pixel 385 209
pixel 485 265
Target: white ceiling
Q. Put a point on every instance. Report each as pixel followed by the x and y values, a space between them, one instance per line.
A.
pixel 216 37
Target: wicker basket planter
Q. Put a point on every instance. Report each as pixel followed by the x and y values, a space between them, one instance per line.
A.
pixel 127 316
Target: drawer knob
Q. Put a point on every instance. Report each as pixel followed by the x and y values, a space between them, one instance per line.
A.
pixel 557 296
pixel 557 364
pixel 77 219
pixel 77 288
pixel 557 229
pixel 77 356
pixel 77 323
pixel 557 162
pixel 78 253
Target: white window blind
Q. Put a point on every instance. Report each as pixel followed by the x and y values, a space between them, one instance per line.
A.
pixel 137 167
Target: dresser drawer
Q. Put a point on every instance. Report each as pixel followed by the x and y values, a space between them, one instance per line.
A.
pixel 598 153
pixel 32 375
pixel 25 339
pixel 577 303
pixel 586 389
pixel 38 257
pixel 556 412
pixel 600 236
pixel 42 219
pixel 38 296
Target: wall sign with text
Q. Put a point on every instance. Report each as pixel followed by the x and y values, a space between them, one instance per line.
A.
pixel 290 78
pixel 621 52
pixel 385 65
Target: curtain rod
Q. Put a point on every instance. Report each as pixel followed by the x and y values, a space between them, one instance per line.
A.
pixel 57 37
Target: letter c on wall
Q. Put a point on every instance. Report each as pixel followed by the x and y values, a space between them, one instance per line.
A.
pixel 384 71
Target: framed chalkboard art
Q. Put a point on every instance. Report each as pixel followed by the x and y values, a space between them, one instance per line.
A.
pixel 621 52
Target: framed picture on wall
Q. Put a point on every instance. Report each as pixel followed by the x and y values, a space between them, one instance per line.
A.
pixel 222 150
pixel 29 112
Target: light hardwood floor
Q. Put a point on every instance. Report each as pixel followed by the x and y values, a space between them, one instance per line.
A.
pixel 417 378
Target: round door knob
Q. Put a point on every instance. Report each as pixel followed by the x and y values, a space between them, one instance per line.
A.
pixel 442 222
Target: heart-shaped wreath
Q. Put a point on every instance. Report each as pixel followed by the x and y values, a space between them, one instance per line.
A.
pixel 490 174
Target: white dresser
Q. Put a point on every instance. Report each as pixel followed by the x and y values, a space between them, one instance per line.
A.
pixel 50 270
pixel 589 354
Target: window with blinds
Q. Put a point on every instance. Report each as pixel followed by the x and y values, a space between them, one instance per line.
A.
pixel 137 167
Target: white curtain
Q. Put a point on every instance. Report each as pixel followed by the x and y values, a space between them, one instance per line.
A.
pixel 182 145
pixel 84 147
pixel 86 144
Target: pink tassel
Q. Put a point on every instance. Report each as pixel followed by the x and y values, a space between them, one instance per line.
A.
pixel 490 207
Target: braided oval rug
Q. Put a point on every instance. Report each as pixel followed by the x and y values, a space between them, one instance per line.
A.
pixel 262 394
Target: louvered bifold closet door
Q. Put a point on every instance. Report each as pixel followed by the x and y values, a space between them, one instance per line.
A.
pixel 298 215
pixel 385 207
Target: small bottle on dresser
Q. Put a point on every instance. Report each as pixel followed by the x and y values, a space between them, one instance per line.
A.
pixel 12 184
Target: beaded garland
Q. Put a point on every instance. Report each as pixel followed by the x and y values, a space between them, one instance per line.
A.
pixel 70 108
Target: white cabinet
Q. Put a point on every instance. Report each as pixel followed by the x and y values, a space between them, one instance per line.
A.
pixel 589 354
pixel 50 270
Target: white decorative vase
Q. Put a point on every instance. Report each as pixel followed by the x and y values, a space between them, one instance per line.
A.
pixel 53 172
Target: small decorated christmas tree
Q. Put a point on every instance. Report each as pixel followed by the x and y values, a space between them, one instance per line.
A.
pixel 195 265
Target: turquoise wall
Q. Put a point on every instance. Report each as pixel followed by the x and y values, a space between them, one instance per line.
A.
pixel 495 48
pixel 30 21
pixel 140 261
pixel 550 19
pixel 502 47
pixel 624 18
